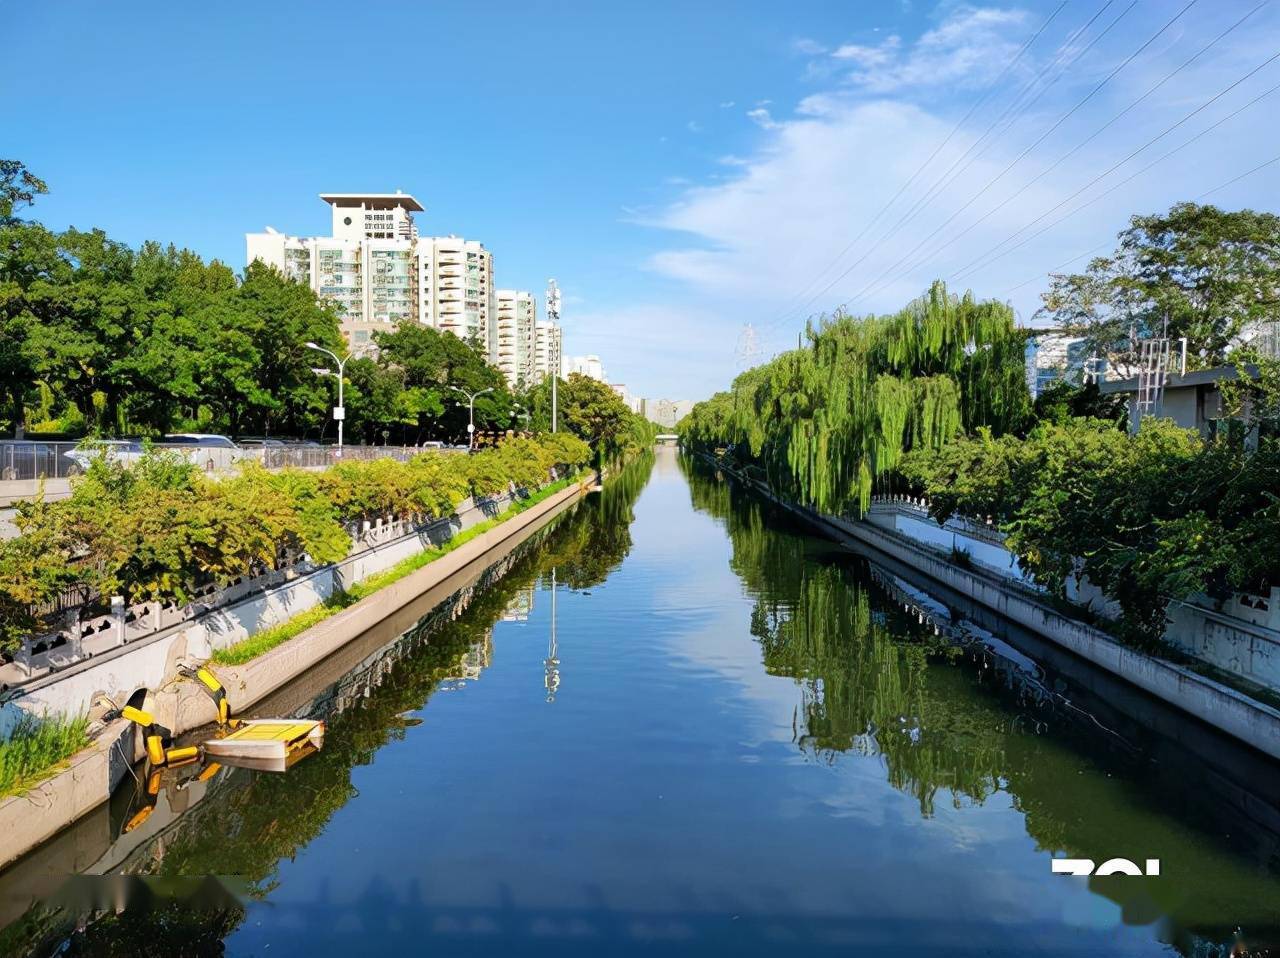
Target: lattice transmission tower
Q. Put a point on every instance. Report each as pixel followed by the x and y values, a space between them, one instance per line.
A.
pixel 748 352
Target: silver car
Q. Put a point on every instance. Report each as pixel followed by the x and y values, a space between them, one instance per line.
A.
pixel 126 451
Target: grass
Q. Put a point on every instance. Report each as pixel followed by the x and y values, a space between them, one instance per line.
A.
pixel 36 748
pixel 248 649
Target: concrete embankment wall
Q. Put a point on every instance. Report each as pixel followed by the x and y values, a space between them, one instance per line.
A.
pixel 1245 645
pixel 92 774
pixel 1220 706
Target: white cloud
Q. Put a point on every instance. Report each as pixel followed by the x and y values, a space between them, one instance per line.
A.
pixel 864 56
pixel 968 48
pixel 754 242
pixel 808 47
pixel 726 104
pixel 693 126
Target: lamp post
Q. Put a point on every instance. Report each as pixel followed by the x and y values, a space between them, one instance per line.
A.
pixel 522 414
pixel 471 411
pixel 339 411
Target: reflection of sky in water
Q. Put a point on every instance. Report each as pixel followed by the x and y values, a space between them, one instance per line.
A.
pixel 660 799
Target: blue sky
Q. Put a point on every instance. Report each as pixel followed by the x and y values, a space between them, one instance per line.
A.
pixel 682 169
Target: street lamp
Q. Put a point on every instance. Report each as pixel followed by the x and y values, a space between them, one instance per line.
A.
pixel 339 411
pixel 471 411
pixel 523 413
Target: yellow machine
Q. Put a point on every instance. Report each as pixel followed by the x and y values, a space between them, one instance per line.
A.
pixel 267 744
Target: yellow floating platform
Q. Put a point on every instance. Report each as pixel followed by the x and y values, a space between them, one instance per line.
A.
pixel 267 744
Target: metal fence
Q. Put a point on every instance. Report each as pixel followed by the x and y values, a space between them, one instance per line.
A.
pixel 23 460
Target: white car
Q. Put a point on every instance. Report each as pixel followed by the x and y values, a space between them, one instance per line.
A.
pixel 206 450
pixel 127 451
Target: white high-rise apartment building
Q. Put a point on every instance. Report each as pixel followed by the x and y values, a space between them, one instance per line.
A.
pixel 589 366
pixel 455 281
pixel 378 272
pixel 548 350
pixel 513 345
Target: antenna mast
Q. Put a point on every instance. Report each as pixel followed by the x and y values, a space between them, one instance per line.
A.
pixel 553 316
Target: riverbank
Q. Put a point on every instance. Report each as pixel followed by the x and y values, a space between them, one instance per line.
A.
pixel 28 820
pixel 1244 718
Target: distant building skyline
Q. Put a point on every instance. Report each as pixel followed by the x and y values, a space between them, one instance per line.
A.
pixel 377 270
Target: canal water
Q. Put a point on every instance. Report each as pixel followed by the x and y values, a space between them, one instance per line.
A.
pixel 679 724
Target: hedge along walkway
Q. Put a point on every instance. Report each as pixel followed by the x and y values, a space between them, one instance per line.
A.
pixel 248 649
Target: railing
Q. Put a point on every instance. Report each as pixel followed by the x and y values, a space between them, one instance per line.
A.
pixel 80 623
pixel 26 461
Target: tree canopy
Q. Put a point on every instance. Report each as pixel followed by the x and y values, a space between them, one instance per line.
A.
pixel 1208 273
pixel 823 422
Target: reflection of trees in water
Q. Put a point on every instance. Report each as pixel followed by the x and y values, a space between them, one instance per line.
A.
pixel 598 535
pixel 874 680
pixel 252 822
pixel 864 674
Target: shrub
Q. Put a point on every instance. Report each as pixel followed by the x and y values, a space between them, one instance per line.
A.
pixel 160 528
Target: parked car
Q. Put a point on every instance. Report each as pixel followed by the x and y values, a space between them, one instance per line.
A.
pixel 206 450
pixel 206 439
pixel 126 451
pixel 273 450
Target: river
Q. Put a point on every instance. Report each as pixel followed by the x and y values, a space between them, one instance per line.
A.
pixel 679 724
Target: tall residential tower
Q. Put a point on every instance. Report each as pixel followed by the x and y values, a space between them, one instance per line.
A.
pixel 378 271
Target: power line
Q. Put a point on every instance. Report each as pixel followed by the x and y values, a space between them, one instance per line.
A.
pixel 1013 111
pixel 994 85
pixel 1066 58
pixel 979 263
pixel 949 242
pixel 1102 246
pixel 1016 160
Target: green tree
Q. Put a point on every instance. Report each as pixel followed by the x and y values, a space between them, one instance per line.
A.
pixel 279 316
pixel 823 423
pixel 29 257
pixel 1208 272
pixel 430 361
pixel 18 187
pixel 594 413
pixel 88 322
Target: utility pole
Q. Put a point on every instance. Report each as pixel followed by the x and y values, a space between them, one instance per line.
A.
pixel 339 411
pixel 553 317
pixel 471 411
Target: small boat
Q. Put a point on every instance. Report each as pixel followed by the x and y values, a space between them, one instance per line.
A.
pixel 267 744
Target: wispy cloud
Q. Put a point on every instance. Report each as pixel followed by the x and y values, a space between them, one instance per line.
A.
pixel 762 118
pixel 967 48
pixel 865 56
pixel 726 104
pixel 693 126
pixel 808 47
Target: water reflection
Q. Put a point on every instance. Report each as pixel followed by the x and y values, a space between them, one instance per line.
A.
pixel 956 714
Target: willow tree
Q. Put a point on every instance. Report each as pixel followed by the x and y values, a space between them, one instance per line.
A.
pixel 824 422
